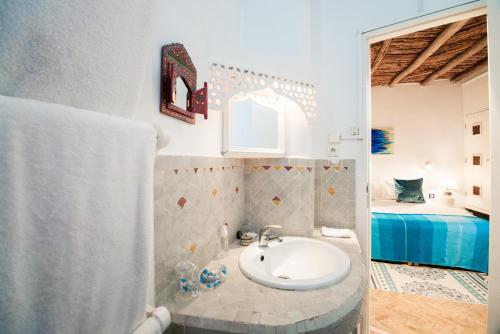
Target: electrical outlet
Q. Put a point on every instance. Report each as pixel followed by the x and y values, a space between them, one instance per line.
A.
pixel 432 195
pixel 333 150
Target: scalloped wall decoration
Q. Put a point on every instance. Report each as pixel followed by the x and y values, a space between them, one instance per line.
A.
pixel 226 81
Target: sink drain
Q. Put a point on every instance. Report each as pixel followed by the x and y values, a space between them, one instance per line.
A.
pixel 284 277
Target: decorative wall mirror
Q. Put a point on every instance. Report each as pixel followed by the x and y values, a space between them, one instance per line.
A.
pixel 254 124
pixel 179 97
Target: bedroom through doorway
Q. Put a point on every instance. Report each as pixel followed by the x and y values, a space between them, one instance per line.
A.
pixel 430 180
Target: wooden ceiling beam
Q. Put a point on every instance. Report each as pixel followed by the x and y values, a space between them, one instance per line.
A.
pixel 472 72
pixel 457 60
pixel 381 53
pixel 442 38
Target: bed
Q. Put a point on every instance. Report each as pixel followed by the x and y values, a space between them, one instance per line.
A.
pixel 429 233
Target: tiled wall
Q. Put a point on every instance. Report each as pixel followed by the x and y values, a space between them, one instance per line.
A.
pixel 280 191
pixel 194 197
pixel 335 194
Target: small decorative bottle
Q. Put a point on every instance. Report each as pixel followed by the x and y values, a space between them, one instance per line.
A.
pixel 188 283
pixel 224 241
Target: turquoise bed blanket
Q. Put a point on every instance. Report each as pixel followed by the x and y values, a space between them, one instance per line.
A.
pixel 444 240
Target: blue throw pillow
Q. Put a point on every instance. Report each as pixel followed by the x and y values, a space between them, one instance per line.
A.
pixel 409 191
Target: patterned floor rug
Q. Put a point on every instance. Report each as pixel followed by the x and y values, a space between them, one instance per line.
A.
pixel 458 285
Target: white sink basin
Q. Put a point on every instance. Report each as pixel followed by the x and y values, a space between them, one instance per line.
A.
pixel 295 264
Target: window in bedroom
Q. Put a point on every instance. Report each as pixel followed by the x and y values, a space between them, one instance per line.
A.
pixel 476 160
pixel 476 190
pixel 476 129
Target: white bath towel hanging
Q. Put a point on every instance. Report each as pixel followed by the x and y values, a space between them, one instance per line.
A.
pixel 76 219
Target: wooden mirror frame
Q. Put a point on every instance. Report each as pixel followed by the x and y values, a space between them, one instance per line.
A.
pixel 176 63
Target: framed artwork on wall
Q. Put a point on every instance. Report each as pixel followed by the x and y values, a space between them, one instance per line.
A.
pixel 383 140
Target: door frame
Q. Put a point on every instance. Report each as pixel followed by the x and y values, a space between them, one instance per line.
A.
pixel 365 39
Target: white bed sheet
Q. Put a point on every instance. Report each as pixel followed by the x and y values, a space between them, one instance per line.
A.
pixel 431 207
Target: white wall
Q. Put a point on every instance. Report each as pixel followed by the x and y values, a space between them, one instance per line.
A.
pixel 257 35
pixel 475 94
pixel 315 41
pixel 494 86
pixel 428 126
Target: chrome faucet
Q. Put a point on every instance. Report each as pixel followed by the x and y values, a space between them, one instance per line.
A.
pixel 265 234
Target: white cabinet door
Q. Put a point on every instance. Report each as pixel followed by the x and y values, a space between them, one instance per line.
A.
pixel 477 161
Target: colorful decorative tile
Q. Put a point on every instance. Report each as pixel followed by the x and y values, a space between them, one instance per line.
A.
pixel 211 169
pixel 326 167
pixel 214 192
pixel 300 168
pixel 195 170
pixel 309 169
pixel 278 167
pixel 276 200
pixel 337 168
pixel 181 202
pixel 237 189
pixel 288 167
pixel 255 168
pixel 176 171
pixel 266 167
pixel 193 247
pixel 331 190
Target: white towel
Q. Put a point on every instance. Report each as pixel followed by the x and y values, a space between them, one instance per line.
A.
pixel 156 323
pixel 76 219
pixel 335 232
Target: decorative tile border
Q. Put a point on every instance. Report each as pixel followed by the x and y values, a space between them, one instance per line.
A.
pixel 282 168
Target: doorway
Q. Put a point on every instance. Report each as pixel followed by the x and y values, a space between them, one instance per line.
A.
pixel 378 36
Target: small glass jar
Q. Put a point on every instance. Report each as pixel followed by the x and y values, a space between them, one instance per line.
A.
pixel 186 274
pixel 213 276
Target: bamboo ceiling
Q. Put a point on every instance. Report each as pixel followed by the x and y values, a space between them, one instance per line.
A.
pixel 456 52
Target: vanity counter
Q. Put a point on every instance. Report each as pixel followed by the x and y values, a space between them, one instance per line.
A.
pixel 244 306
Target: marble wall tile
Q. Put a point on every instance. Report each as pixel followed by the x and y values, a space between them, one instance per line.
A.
pixel 280 191
pixel 335 194
pixel 194 197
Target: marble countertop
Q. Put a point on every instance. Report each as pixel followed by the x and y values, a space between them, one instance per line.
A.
pixel 243 306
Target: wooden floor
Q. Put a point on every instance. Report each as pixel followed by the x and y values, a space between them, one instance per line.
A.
pixel 395 313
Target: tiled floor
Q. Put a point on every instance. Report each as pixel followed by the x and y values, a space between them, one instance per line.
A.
pixel 395 313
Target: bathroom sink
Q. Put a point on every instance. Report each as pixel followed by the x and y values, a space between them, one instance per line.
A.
pixel 295 263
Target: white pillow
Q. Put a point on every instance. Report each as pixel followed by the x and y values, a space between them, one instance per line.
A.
pixel 377 191
pixel 389 191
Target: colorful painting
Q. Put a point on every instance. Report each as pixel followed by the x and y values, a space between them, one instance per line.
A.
pixel 383 141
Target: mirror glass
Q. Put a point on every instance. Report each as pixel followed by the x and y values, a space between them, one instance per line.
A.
pixel 180 93
pixel 255 122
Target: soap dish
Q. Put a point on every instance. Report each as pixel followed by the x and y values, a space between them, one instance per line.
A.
pixel 247 238
pixel 212 277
